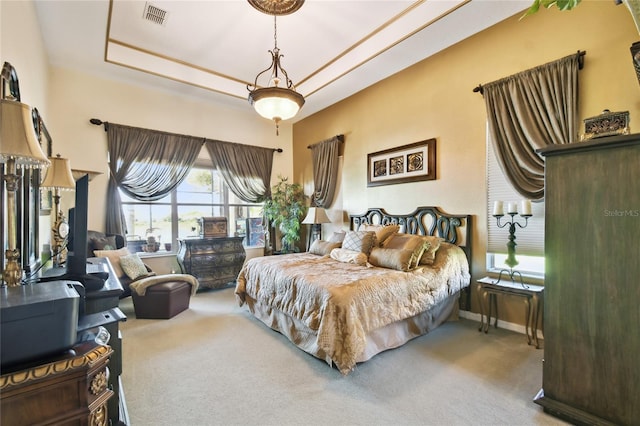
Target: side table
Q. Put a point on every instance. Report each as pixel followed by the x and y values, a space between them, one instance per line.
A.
pixel 488 289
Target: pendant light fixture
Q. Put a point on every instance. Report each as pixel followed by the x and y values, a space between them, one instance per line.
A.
pixel 277 100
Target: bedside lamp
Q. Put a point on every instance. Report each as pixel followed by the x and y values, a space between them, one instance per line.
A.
pixel 316 216
pixel 59 178
pixel 19 147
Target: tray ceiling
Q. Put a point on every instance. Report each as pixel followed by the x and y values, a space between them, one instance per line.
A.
pixel 213 49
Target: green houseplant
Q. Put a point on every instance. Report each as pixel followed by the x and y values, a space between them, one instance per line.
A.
pixel 632 5
pixel 285 210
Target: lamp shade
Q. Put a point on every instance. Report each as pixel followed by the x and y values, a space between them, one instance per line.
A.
pixel 276 102
pixel 316 215
pixel 59 175
pixel 18 139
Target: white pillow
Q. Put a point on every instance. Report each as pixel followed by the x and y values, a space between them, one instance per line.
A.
pixel 114 258
pixel 349 256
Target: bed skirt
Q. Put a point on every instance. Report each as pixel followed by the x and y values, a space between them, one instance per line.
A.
pixel 379 340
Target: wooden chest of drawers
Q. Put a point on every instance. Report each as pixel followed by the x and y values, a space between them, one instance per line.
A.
pixel 216 262
pixel 70 390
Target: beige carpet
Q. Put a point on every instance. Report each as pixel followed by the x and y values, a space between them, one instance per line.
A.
pixel 216 365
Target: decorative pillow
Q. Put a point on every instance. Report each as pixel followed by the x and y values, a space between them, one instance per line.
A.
pixel 102 243
pixel 361 241
pixel 399 259
pixel 382 231
pixel 133 266
pixel 114 258
pixel 337 237
pixel 323 248
pixel 349 256
pixel 429 254
pixel 415 243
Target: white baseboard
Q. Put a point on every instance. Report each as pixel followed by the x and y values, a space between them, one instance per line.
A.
pixel 501 324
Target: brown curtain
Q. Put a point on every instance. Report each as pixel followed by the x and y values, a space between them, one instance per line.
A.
pixel 146 165
pixel 528 111
pixel 325 171
pixel 246 169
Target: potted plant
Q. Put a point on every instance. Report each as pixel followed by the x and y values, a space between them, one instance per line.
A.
pixel 285 210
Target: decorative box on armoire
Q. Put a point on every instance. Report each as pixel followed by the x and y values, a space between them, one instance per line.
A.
pixel 215 262
pixel 591 373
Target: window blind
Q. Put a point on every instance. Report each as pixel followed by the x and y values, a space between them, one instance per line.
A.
pixel 530 240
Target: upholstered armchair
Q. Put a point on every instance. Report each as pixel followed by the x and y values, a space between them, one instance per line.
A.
pixel 97 240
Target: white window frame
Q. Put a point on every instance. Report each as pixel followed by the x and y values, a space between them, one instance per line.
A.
pixel 228 211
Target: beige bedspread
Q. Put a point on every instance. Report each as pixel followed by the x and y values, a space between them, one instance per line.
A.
pixel 343 301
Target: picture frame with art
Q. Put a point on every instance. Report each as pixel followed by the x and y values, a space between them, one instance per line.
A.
pixel 408 163
pixel 46 142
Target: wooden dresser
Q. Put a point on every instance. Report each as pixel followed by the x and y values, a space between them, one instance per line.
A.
pixel 69 390
pixel 101 309
pixel 216 262
pixel 591 373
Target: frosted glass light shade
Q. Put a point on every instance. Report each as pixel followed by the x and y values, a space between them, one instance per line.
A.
pixel 276 102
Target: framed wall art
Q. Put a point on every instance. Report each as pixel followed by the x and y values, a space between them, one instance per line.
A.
pixel 46 197
pixel 408 163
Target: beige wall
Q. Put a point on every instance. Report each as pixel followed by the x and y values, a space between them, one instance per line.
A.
pixel 434 99
pixel 67 99
pixel 77 97
pixel 21 45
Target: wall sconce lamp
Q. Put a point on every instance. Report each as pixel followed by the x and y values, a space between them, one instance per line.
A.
pixel 316 216
pixel 19 147
pixel 59 177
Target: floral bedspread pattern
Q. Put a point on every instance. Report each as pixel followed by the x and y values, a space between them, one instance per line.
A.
pixel 342 302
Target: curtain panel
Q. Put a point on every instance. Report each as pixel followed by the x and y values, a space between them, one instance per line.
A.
pixel 528 111
pixel 146 165
pixel 246 169
pixel 324 156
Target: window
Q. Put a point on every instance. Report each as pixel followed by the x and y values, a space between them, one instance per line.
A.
pixel 202 194
pixel 530 240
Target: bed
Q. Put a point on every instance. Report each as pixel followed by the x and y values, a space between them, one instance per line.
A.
pixel 344 312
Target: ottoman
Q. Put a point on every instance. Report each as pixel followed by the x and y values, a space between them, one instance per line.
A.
pixel 163 300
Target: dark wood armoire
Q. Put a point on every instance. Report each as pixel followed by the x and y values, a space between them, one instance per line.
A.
pixel 591 373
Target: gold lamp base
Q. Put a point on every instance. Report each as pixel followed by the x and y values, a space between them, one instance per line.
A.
pixel 12 274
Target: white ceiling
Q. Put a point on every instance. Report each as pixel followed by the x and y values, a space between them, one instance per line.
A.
pixel 212 49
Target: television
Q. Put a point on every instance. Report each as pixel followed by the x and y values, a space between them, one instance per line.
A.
pixel 76 264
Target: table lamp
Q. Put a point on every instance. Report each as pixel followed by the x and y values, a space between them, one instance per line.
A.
pixel 59 178
pixel 316 216
pixel 19 147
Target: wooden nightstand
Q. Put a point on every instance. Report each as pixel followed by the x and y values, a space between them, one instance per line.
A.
pixel 488 290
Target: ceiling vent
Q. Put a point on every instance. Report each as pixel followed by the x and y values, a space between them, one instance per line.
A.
pixel 155 14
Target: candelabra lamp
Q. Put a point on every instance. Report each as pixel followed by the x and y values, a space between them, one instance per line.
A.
pixel 316 216
pixel 512 211
pixel 19 147
pixel 59 178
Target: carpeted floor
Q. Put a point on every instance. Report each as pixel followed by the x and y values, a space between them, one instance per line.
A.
pixel 214 364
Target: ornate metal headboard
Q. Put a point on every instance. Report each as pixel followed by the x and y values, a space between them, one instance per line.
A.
pixel 455 229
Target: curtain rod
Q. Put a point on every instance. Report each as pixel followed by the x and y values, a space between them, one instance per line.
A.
pixel 581 54
pixel 99 122
pixel 340 138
